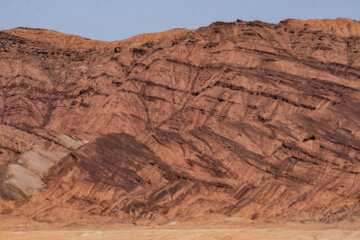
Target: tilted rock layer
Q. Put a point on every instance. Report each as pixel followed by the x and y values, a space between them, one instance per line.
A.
pixel 245 119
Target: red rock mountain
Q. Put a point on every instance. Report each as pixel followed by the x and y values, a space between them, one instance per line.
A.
pixel 244 119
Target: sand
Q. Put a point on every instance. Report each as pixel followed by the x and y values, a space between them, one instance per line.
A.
pixel 184 234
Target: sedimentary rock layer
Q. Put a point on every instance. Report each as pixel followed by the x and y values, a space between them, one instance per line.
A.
pixel 243 119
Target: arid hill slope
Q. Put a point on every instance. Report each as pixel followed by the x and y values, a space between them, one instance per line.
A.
pixel 245 119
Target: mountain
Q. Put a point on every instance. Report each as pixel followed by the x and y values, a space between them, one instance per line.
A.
pixel 247 120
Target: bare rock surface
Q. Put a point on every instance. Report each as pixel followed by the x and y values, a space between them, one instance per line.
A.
pixel 245 119
pixel 22 176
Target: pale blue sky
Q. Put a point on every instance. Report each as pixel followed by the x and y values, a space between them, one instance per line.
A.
pixel 119 19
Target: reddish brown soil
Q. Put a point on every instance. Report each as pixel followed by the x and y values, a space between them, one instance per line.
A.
pixel 246 119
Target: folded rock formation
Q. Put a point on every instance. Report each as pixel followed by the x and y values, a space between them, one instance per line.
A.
pixel 244 119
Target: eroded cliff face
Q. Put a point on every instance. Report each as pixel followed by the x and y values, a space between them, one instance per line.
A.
pixel 243 119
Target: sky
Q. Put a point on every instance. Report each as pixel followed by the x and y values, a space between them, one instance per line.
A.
pixel 110 20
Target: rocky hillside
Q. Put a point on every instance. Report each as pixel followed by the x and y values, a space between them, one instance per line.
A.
pixel 245 119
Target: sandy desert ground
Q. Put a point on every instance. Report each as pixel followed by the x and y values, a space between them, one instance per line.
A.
pixel 184 234
pixel 13 228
